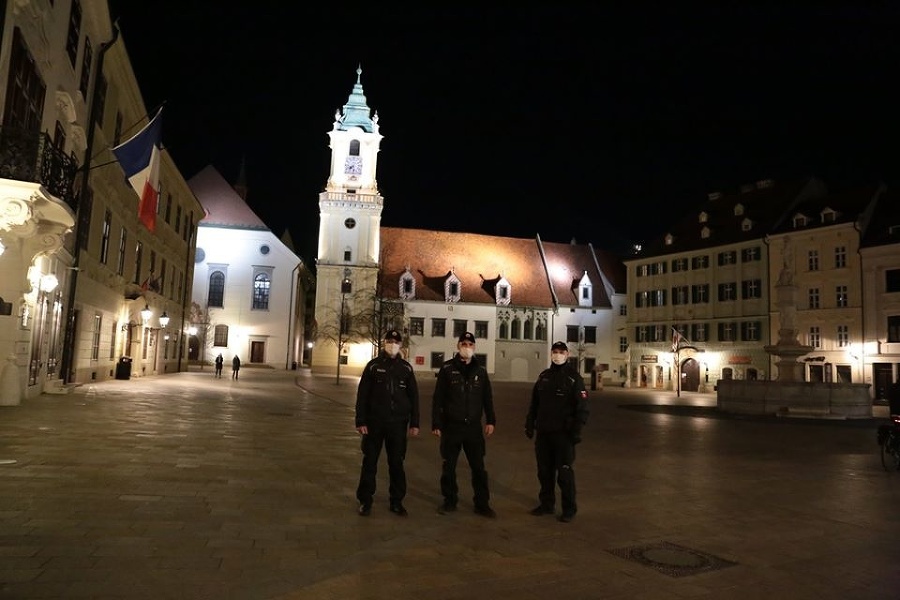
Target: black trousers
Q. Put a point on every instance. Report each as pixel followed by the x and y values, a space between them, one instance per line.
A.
pixel 468 438
pixel 555 454
pixel 392 436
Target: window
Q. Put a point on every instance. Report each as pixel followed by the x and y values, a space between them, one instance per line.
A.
pixel 438 327
pixel 727 292
pixel 459 327
pixel 572 333
pixel 138 257
pixel 481 330
pixel 74 32
pixel 843 336
pixel 892 280
pixel 641 299
pixel 168 208
pixel 590 334
pixel 893 329
pixel 750 331
pixel 503 331
pixel 261 286
pixel 452 290
pixel 844 374
pixel 840 293
pixel 216 290
pixel 700 262
pixel 515 329
pixel 658 268
pixel 640 334
pixel 812 260
pixel 700 293
pixel 727 332
pixel 95 336
pixel 659 333
pixel 642 270
pixel 347 255
pixel 123 241
pixel 86 58
pixel 540 331
pixel 114 329
pixel 815 337
pixel 727 258
pixel 698 332
pixel 104 239
pixel 679 264
pixel 813 297
pixel 751 288
pixel 178 219
pixel 750 254
pixel 658 298
pixel 437 360
pixel 840 257
pixel 407 286
pixel 25 96
pixel 220 336
pixel 623 310
pixel 623 343
pixel 680 295
pixel 416 326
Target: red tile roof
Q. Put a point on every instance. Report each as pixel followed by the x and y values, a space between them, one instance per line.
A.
pixel 223 206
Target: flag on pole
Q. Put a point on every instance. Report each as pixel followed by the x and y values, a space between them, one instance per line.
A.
pixel 676 339
pixel 139 157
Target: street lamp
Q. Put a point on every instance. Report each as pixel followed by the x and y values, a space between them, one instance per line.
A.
pixel 146 313
pixel 164 320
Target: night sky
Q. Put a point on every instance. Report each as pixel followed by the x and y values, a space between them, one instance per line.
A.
pixel 596 124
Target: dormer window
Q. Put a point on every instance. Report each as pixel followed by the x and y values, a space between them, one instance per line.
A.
pixel 738 209
pixel 452 288
pixel 799 220
pixel 746 225
pixel 585 291
pixel 407 286
pixel 704 233
pixel 503 292
pixel 703 217
pixel 828 216
pixel 669 239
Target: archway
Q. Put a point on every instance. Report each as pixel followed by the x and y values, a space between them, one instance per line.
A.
pixel 690 375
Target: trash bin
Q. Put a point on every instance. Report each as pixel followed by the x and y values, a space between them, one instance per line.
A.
pixel 123 368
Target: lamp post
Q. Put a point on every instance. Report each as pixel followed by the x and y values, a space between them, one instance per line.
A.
pixel 346 288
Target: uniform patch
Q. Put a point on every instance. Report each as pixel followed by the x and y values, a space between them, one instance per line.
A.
pixel 584 394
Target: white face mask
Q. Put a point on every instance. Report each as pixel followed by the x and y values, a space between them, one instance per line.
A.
pixel 467 352
pixel 392 349
pixel 558 358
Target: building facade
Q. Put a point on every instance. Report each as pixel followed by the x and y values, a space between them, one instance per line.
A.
pixel 515 295
pixel 250 288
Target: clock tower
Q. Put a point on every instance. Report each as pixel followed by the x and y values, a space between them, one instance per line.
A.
pixel 349 237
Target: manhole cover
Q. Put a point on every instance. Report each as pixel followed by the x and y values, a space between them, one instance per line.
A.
pixel 673 560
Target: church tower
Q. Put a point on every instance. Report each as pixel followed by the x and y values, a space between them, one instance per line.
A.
pixel 349 237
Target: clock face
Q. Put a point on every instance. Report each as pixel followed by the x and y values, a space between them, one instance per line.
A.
pixel 353 165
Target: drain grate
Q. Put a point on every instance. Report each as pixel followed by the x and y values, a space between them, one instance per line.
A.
pixel 673 560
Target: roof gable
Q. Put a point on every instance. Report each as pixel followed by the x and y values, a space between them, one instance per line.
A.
pixel 221 203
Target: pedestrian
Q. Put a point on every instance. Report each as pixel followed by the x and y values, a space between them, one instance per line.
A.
pixel 557 412
pixel 235 366
pixel 387 411
pixel 219 362
pixel 462 396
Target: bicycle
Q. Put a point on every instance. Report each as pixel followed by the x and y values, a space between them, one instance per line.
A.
pixel 889 440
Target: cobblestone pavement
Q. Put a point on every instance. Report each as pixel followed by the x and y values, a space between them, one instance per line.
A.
pixel 186 486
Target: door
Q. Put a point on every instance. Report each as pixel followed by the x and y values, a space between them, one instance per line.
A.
pixel 257 352
pixel 881 379
pixel 690 375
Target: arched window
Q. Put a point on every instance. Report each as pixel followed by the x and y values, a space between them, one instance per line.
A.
pixel 261 286
pixel 516 328
pixel 354 147
pixel 216 289
pixel 504 330
pixel 540 332
pixel 529 327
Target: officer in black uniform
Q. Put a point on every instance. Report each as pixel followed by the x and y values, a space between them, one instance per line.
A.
pixel 558 411
pixel 387 409
pixel 462 396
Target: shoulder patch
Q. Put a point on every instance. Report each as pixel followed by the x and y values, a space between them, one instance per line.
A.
pixel 584 394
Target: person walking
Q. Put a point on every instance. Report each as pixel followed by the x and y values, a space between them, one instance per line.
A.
pixel 557 413
pixel 235 366
pixel 219 362
pixel 462 397
pixel 387 411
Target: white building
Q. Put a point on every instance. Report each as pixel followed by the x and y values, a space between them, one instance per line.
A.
pixel 249 286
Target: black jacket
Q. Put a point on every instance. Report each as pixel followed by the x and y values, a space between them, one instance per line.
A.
pixel 558 402
pixel 462 394
pixel 387 393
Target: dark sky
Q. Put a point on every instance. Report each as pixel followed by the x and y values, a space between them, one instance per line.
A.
pixel 594 123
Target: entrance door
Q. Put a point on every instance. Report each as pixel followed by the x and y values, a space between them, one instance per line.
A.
pixel 257 352
pixel 881 379
pixel 690 375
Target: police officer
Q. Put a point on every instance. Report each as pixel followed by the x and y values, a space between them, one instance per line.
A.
pixel 462 396
pixel 387 410
pixel 558 411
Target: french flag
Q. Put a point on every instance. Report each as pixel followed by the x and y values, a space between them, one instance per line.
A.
pixel 139 158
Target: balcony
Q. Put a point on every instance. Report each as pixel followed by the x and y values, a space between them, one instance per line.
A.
pixel 31 156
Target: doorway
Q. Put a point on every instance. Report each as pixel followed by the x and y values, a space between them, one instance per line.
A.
pixel 690 375
pixel 881 379
pixel 257 352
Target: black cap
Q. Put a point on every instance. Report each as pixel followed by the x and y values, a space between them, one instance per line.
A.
pixel 394 335
pixel 559 346
pixel 467 337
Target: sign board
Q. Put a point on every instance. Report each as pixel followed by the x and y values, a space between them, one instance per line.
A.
pixel 648 358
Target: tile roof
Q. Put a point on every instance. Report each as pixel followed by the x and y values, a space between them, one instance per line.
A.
pixel 477 260
pixel 845 205
pixel 223 206
pixel 881 224
pixel 566 265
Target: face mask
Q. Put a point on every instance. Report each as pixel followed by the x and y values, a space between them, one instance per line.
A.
pixel 558 358
pixel 392 349
pixel 467 353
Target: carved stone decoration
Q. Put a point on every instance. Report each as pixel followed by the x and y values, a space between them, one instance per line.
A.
pixel 65 106
pixel 14 212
